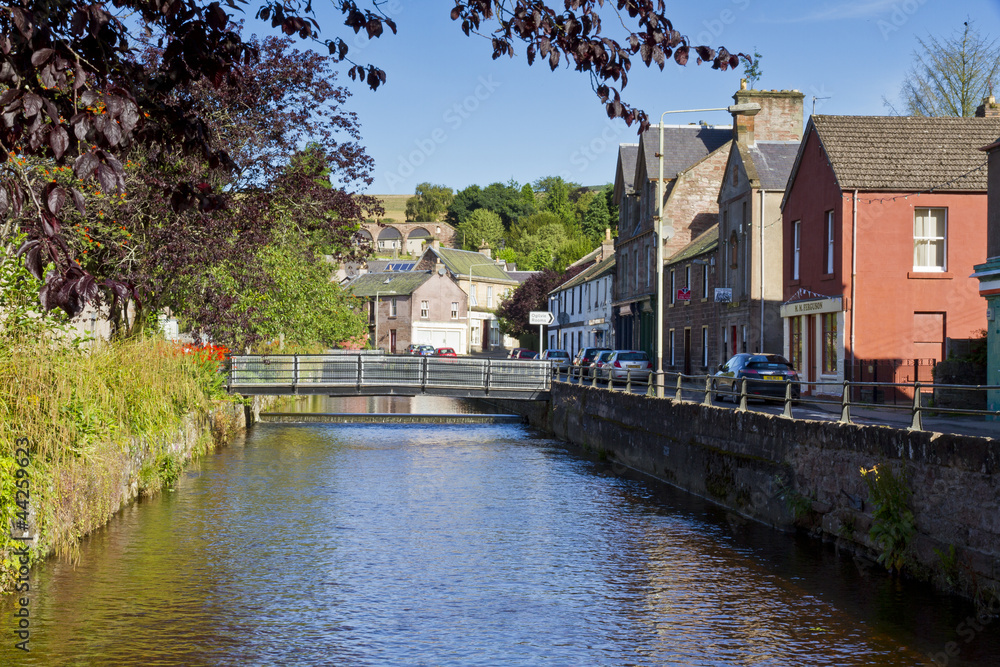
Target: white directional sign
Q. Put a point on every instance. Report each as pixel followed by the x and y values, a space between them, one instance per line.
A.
pixel 541 317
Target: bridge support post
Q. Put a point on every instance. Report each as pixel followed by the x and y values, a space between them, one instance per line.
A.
pixel 359 378
pixel 423 375
pixel 489 372
pixel 295 374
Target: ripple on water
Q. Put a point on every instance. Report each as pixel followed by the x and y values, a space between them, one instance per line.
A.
pixel 369 545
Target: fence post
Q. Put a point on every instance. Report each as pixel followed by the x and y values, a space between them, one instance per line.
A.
pixel 708 391
pixel 628 381
pixel 489 372
pixel 611 381
pixel 360 357
pixel 678 396
pixel 787 413
pixel 423 374
pixel 295 374
pixel 917 424
pixel 593 377
pixel 743 395
pixel 651 384
pixel 845 404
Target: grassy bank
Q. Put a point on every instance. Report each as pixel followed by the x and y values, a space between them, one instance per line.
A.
pixel 99 425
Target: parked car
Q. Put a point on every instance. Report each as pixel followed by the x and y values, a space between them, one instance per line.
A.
pixel 598 367
pixel 522 353
pixel 420 349
pixel 445 352
pixel 585 357
pixel 559 359
pixel 623 364
pixel 766 375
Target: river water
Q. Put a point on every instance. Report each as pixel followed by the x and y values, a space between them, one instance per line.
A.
pixel 461 545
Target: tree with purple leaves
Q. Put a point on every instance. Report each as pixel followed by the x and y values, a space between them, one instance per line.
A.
pixel 73 95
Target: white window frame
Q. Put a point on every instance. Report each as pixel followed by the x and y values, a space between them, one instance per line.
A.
pixel 393 308
pixel 927 240
pixel 704 281
pixel 454 310
pixel 673 288
pixel 474 294
pixel 796 247
pixel 423 309
pixel 672 349
pixel 829 242
pixel 489 296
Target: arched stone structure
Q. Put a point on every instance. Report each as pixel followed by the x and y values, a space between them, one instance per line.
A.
pixel 408 237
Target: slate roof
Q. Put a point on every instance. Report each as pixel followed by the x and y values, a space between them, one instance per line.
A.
pixel 627 156
pixel 707 241
pixel 773 161
pixel 388 283
pixel 590 273
pixel 379 265
pixel 901 153
pixel 460 261
pixel 520 276
pixel 683 147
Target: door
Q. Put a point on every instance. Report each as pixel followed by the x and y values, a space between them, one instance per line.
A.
pixel 687 352
pixel 810 341
pixel 392 341
pixel 732 344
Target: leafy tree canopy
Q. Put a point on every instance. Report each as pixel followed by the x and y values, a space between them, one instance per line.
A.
pixel 428 202
pixel 482 225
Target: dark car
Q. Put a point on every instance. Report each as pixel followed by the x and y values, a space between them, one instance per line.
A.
pixel 522 353
pixel 585 357
pixel 420 349
pixel 445 352
pixel 765 374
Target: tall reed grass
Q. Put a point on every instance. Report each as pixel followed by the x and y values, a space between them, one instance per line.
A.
pixel 91 416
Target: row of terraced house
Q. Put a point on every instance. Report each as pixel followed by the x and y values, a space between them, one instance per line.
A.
pixel 848 245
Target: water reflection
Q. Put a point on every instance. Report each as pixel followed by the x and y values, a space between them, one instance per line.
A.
pixel 457 545
pixel 431 405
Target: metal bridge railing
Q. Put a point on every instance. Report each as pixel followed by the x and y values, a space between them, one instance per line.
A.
pixel 292 372
pixel 852 395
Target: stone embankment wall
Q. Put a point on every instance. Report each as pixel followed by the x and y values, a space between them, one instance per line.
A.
pixel 804 473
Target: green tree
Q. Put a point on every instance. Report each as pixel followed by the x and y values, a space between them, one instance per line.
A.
pixel 751 68
pixel 597 218
pixel 428 202
pixel 556 196
pixel 464 203
pixel 950 77
pixel 505 200
pixel 481 225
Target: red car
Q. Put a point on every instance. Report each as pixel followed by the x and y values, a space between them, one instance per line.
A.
pixel 445 352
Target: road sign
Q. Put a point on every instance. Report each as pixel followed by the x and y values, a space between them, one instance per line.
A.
pixel 541 317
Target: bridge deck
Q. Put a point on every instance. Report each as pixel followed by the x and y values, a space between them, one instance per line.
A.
pixel 388 375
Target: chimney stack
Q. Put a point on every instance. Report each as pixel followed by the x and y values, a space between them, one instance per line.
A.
pixel 485 249
pixel 779 118
pixel 988 109
pixel 608 245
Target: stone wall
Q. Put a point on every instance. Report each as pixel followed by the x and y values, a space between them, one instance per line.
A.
pixel 789 473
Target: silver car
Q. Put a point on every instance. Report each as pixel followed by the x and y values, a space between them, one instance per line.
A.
pixel 620 364
pixel 558 358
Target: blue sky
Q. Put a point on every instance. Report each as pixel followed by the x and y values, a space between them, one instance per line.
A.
pixel 450 115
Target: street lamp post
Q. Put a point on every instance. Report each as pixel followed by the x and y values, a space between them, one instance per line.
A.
pixel 663 233
pixel 472 266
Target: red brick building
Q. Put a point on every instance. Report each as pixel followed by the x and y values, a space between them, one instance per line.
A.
pixel 883 220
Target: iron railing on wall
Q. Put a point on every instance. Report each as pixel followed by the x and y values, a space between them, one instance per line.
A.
pixel 852 395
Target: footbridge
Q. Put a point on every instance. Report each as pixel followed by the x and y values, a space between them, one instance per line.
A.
pixel 387 375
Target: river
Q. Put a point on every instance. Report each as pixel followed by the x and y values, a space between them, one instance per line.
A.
pixel 461 545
